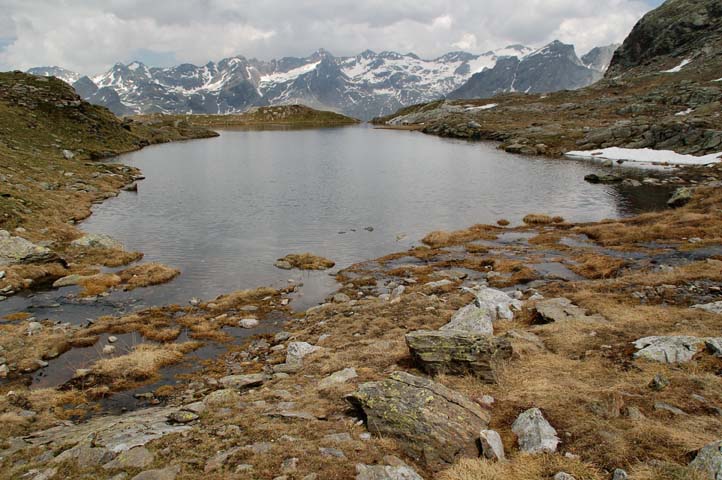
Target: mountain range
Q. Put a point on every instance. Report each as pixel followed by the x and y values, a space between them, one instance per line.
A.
pixel 362 86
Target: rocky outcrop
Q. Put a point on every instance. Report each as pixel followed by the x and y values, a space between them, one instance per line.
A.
pixel 675 349
pixel 432 423
pixel 15 250
pixel 458 353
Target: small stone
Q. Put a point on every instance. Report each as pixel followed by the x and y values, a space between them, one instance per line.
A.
pixel 634 413
pixel 620 474
pixel 289 465
pixel 222 398
pixel 243 467
pixel 332 452
pixel 659 382
pixel 298 350
pixel 248 323
pixel 240 382
pixel 259 448
pixel 182 417
pixel 342 376
pixel 666 407
pixel 341 298
pixel 108 349
pixel 281 336
pixel 534 433
pixel 491 445
pixel 564 476
pixel 4 371
pixel 112 339
pixel 137 457
pixel 338 437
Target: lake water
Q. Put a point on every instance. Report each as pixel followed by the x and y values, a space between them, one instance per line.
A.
pixel 223 210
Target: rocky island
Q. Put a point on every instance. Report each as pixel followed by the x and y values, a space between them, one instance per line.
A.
pixel 548 350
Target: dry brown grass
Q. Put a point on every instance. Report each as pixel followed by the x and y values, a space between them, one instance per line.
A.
pixel 308 261
pixel 541 219
pixel 592 265
pixel 477 232
pixel 520 467
pixel 97 284
pixel 503 222
pixel 147 274
pixel 244 297
pixel 142 362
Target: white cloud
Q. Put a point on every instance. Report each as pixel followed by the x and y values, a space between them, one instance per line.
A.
pixel 90 35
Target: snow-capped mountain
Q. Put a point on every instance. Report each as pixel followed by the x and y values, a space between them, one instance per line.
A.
pixel 363 86
pixel 65 75
pixel 552 67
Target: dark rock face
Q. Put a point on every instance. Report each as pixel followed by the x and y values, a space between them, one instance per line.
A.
pixel 432 423
pixel 675 29
pixel 554 67
pixel 458 353
pixel 599 58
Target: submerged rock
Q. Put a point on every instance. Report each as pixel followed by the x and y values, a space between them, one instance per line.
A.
pixel 458 353
pixel 17 250
pixel 603 178
pixel 535 434
pixel 432 423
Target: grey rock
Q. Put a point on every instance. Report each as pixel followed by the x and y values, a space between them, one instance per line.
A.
pixel 500 305
pixel 68 281
pixel 220 459
pixel 715 307
pixel 96 240
pixel 248 323
pixel 666 407
pixel 709 460
pixel 471 318
pixel 407 408
pixel 534 433
pixel 714 346
pixel 168 473
pixel 259 448
pixel 331 452
pixel 341 298
pixel 336 378
pixel 659 382
pixel 492 447
pixel 182 417
pixel 17 250
pixel 680 197
pixel 564 476
pixel 241 382
pixel 673 349
pixel 68 155
pixel 385 472
pixel 222 398
pixel 85 456
pixel 338 437
pixel 298 350
pixel 283 265
pixel 620 474
pixel 137 457
pixel 289 465
pixel 458 353
pixel 562 310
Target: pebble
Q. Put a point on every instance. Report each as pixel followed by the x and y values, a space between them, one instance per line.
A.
pixel 112 339
pixel 109 349
pixel 248 323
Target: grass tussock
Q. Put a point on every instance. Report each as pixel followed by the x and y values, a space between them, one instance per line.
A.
pixel 97 284
pixel 520 467
pixel 595 266
pixel 503 222
pixel 147 274
pixel 307 261
pixel 477 232
pixel 541 219
pixel 143 361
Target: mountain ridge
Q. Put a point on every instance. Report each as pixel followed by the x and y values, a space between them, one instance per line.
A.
pixel 362 86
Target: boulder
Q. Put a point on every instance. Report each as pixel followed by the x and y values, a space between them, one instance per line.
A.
pixel 674 349
pixel 458 353
pixel 297 350
pixel 534 433
pixel 715 307
pixel 96 240
pixel 240 382
pixel 168 473
pixel 471 318
pixel 138 457
pixel 680 197
pixel 714 346
pixel 709 460
pixel 17 250
pixel 500 305
pixel 431 422
pixel 562 310
pixel 492 447
pixel 68 281
pixel 385 472
pixel 603 178
pixel 336 378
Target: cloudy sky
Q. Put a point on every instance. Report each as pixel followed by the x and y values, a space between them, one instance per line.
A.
pixel 88 36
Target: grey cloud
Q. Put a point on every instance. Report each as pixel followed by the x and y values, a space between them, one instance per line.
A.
pixel 90 35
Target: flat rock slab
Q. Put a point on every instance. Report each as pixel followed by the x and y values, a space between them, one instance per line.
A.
pixel 673 349
pixel 115 433
pixel 14 250
pixel 458 353
pixel 432 423
pixel 385 472
pixel 562 310
pixel 471 318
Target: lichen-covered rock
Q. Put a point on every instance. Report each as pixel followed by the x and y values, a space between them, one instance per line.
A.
pixel 680 197
pixel 535 434
pixel 709 460
pixel 297 350
pixel 96 240
pixel 337 378
pixel 562 310
pixel 17 250
pixel 431 422
pixel 385 472
pixel 458 353
pixel 714 307
pixel 492 448
pixel 673 349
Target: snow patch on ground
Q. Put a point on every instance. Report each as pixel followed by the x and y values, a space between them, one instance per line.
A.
pixel 472 108
pixel 679 67
pixel 646 155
